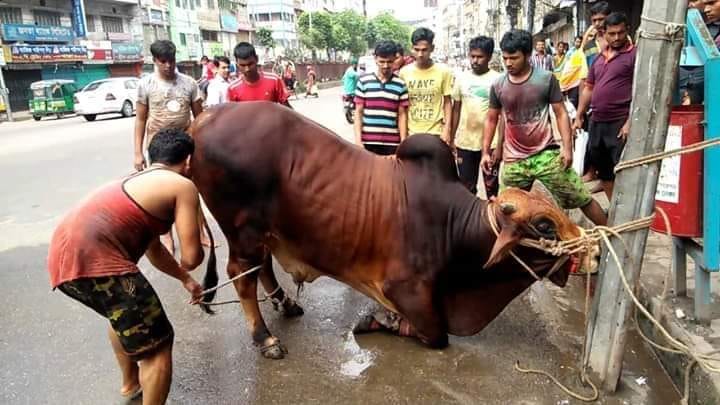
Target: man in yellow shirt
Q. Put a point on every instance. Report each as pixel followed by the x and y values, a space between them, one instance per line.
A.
pixel 430 87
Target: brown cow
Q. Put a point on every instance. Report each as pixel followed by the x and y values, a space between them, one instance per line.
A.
pixel 403 230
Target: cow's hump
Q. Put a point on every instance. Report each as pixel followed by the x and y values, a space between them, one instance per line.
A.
pixel 430 153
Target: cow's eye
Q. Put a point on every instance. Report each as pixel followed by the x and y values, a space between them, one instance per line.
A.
pixel 545 227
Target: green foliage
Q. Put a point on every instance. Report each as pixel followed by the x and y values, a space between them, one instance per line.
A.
pixel 264 37
pixel 348 31
pixel 386 27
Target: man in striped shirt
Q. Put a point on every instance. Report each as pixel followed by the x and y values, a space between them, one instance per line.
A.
pixel 381 105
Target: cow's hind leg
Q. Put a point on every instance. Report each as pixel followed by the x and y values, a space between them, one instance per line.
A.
pixel 246 287
pixel 274 292
pixel 414 299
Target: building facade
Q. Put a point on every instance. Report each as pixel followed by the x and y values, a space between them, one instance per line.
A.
pixel 280 17
pixel 49 39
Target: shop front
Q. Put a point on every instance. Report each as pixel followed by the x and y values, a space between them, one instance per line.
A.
pixel 29 63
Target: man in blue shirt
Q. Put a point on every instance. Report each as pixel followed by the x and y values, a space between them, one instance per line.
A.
pixel 350 78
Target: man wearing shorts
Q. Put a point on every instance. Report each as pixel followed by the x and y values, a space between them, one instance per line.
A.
pixel 608 89
pixel 94 253
pixel 524 97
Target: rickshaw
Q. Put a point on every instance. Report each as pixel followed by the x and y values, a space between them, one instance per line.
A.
pixel 51 97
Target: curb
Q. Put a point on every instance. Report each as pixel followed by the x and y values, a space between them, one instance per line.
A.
pixel 704 386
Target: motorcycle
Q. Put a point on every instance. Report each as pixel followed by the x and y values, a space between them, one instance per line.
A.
pixel 349 107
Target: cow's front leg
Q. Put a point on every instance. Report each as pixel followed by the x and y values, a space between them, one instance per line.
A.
pixel 274 292
pixel 246 288
pixel 414 299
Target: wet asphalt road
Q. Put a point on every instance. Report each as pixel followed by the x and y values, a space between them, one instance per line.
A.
pixel 54 351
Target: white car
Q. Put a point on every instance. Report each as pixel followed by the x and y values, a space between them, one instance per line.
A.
pixel 115 95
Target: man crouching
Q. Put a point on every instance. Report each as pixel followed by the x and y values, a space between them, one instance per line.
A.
pixel 95 250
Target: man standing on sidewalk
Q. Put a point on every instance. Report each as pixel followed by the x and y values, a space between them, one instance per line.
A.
pixel 541 60
pixel 166 99
pixel 381 104
pixel 218 87
pixel 524 97
pixel 471 97
pixel 429 86
pixel 255 85
pixel 594 39
pixel 608 89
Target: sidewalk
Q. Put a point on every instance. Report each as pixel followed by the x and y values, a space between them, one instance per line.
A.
pixel 702 339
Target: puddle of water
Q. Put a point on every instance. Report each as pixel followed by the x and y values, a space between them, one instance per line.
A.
pixel 360 359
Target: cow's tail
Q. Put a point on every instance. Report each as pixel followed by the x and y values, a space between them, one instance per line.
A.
pixel 211 274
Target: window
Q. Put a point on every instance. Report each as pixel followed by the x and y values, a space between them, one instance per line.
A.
pixel 192 4
pixel 177 4
pixel 211 4
pixel 183 40
pixel 263 17
pixel 209 35
pixel 112 24
pixel 131 84
pixel 198 3
pixel 275 17
pixel 185 4
pixel 43 17
pixel 10 15
pixel 90 21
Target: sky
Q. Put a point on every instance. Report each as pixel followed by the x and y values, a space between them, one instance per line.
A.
pixel 403 10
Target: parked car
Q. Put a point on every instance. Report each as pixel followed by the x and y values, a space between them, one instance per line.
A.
pixel 116 95
pixel 51 97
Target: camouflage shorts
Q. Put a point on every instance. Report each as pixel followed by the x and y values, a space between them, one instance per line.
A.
pixel 132 307
pixel 547 168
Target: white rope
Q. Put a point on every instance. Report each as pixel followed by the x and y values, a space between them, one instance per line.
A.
pixel 209 290
pixel 672 31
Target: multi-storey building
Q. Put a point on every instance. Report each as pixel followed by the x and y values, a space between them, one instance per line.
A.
pixel 280 17
pixel 49 39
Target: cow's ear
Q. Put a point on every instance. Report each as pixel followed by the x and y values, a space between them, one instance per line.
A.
pixel 560 277
pixel 508 238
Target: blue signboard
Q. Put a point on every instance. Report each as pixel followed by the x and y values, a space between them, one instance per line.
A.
pixel 228 21
pixel 32 33
pixel 78 18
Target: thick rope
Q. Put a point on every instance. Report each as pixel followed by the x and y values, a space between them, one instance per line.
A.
pixel 671 31
pixel 219 286
pixel 663 155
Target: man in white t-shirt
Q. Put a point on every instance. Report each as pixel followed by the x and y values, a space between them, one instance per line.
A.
pixel 471 95
pixel 218 88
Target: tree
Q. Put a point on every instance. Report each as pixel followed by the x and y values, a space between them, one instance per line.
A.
pixel 386 27
pixel 349 30
pixel 316 31
pixel 264 37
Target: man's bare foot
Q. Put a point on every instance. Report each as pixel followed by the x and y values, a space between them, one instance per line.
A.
pixel 131 390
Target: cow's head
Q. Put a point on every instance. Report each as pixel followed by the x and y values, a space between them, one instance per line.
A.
pixel 531 215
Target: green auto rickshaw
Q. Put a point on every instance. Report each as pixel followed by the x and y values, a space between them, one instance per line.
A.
pixel 51 97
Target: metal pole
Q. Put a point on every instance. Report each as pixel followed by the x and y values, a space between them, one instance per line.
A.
pixel 634 197
pixel 4 93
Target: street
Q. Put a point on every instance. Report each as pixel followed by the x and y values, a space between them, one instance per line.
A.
pixel 55 351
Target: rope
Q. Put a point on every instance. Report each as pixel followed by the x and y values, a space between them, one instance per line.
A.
pixel 568 391
pixel 209 290
pixel 672 31
pixel 663 155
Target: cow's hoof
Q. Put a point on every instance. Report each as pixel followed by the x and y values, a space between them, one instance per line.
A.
pixel 291 309
pixel 273 349
pixel 367 324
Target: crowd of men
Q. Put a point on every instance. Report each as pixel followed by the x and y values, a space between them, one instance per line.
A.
pixel 512 128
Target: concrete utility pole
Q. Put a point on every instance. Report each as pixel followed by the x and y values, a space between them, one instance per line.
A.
pixel 634 197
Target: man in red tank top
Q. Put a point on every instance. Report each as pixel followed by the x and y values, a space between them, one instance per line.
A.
pixel 255 85
pixel 94 253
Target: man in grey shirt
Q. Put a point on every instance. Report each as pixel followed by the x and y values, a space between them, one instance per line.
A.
pixel 165 99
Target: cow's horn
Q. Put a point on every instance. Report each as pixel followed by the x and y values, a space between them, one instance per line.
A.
pixel 507 208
